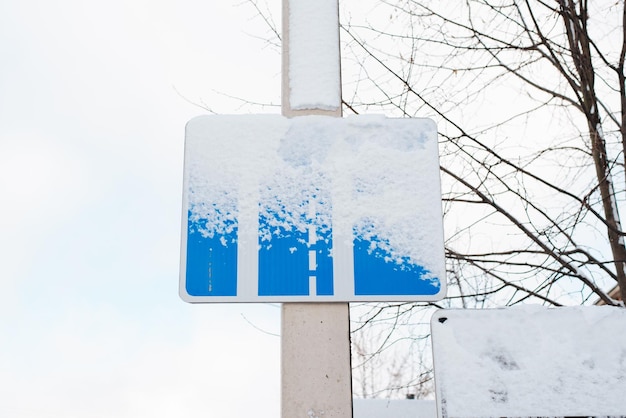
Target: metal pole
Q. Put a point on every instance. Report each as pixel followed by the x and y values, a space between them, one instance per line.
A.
pixel 316 374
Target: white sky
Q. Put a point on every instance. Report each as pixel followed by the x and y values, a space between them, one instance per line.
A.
pixel 91 152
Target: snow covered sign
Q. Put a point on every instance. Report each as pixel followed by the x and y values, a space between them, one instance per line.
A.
pixel 311 208
pixel 530 361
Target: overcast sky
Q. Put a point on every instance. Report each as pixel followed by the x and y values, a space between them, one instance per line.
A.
pixel 93 105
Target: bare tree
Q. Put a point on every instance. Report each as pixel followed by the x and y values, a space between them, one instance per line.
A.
pixel 526 218
pixel 530 100
pixel 390 365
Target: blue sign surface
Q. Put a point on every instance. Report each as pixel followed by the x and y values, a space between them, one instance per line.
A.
pixel 311 209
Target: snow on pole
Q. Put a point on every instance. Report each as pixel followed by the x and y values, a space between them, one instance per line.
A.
pixel 311 56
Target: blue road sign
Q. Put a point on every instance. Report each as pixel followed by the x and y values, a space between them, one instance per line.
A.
pixel 311 209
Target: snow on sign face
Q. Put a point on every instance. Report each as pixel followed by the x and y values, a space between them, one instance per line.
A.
pixel 312 208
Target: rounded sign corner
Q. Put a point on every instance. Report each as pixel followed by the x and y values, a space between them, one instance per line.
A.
pixel 442 293
pixel 185 296
pixel 440 316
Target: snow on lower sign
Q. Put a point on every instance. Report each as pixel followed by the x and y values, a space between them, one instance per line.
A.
pixel 311 209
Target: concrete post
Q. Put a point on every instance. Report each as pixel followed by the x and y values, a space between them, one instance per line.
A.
pixel 315 343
